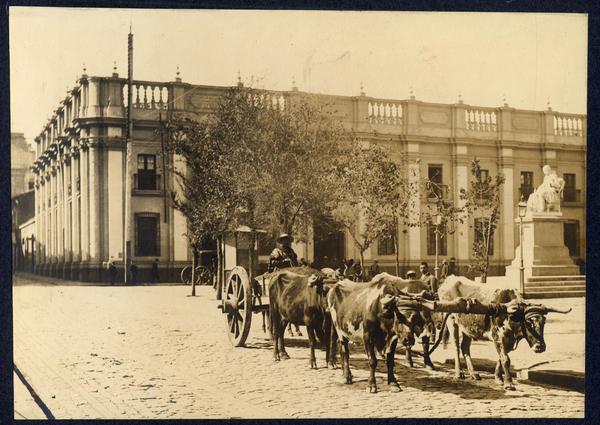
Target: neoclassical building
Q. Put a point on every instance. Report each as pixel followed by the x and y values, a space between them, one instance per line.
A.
pixel 81 154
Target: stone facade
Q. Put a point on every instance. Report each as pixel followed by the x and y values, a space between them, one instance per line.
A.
pixel 80 170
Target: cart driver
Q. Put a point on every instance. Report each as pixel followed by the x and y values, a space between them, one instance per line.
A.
pixel 283 255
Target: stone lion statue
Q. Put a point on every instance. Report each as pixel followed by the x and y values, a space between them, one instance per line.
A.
pixel 546 198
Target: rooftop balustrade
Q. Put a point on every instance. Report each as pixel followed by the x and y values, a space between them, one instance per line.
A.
pixel 98 98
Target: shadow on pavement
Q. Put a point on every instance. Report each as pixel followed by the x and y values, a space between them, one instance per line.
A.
pixel 418 377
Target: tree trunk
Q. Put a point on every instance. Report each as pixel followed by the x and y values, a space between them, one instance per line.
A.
pixel 488 239
pixel 362 261
pixel 395 239
pixel 220 267
pixel 194 253
pixel 251 255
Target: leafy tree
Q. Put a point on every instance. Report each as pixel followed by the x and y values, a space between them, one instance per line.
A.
pixel 204 191
pixel 482 203
pixel 255 161
pixel 439 203
pixel 380 190
pixel 358 180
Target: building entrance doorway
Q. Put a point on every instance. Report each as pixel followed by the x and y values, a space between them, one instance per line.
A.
pixel 329 244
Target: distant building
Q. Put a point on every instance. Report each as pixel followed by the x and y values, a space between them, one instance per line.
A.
pixel 23 231
pixel 21 160
pixel 80 174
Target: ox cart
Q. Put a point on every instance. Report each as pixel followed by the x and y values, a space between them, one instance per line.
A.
pixel 242 291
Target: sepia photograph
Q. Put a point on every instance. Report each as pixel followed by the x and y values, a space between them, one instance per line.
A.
pixel 297 214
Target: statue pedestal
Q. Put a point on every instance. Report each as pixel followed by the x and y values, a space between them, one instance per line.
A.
pixel 544 250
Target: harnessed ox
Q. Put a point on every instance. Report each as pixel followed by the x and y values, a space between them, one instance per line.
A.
pixel 299 299
pixel 375 312
pixel 508 320
pixel 428 331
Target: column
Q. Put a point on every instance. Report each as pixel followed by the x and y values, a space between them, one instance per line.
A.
pixel 94 212
pixel 84 197
pixel 38 222
pixel 68 200
pixel 462 182
pixel 47 225
pixel 75 230
pixel 44 230
pixel 52 233
pixel 508 205
pixel 361 228
pixel 179 221
pixel 115 203
pixel 414 177
pixel 60 172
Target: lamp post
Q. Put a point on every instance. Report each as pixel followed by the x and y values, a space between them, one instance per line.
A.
pixel 522 205
pixel 438 221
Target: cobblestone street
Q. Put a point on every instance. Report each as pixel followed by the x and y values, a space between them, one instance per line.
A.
pixel 154 352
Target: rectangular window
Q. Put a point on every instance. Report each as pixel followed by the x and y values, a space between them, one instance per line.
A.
pixel 146 172
pixel 435 176
pixel 481 229
pixel 483 193
pixel 442 241
pixel 526 187
pixel 570 193
pixel 572 237
pixel 147 235
pixel 385 245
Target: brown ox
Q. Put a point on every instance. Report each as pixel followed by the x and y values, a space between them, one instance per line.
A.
pixel 428 331
pixel 298 299
pixel 372 312
pixel 505 328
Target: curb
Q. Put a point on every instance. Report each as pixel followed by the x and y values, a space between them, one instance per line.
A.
pixel 569 380
pixel 63 282
pixel 565 379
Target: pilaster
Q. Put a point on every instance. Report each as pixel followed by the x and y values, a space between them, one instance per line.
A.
pixel 85 210
pixel 414 177
pixel 508 203
pixel 94 202
pixel 462 182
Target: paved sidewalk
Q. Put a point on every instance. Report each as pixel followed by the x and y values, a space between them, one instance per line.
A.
pixel 154 352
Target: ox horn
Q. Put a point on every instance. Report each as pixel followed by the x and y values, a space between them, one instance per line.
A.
pixel 557 310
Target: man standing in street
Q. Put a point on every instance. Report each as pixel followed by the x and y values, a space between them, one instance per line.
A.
pixel 428 278
pixel 452 267
pixel 374 269
pixel 112 271
pixel 444 269
pixel 154 277
pixel 133 270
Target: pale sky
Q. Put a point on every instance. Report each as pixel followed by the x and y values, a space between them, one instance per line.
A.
pixel 483 56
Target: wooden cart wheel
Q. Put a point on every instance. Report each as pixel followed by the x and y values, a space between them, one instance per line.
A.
pixel 237 306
